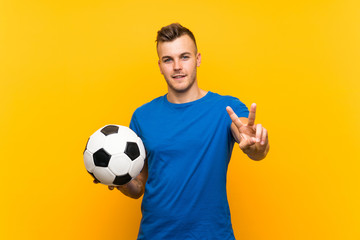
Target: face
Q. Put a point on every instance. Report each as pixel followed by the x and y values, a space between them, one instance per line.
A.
pixel 178 61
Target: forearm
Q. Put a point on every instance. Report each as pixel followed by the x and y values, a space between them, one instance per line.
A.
pixel 134 189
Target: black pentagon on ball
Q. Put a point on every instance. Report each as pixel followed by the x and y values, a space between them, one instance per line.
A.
pixel 120 180
pixel 132 150
pixel 101 158
pixel 110 129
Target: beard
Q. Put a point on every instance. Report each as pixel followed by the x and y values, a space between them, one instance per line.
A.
pixel 182 89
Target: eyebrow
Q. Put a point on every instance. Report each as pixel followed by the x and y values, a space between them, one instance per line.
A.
pixel 182 54
pixel 165 57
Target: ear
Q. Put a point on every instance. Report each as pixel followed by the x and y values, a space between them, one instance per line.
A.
pixel 160 67
pixel 198 59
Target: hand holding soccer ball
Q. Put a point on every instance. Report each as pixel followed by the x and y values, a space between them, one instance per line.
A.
pixel 114 155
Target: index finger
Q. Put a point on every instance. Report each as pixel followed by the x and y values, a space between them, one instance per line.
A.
pixel 252 115
pixel 234 117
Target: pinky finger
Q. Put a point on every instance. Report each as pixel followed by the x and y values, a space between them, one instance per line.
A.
pixel 259 132
pixel 264 137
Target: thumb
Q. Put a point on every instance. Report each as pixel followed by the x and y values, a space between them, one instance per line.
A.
pixel 246 142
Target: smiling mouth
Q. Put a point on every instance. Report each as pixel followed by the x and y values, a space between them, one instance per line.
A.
pixel 178 76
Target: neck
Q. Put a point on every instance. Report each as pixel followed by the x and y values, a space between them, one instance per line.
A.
pixel 185 97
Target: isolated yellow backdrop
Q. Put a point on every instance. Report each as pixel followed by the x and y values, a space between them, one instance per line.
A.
pixel 68 68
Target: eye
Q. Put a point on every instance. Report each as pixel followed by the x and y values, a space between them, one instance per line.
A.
pixel 185 57
pixel 167 60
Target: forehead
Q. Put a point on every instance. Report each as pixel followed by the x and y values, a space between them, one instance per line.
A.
pixel 176 47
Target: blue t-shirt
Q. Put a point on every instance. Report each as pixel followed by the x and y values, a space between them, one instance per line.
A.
pixel 188 148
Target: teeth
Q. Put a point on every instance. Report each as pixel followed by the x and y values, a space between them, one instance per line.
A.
pixel 178 76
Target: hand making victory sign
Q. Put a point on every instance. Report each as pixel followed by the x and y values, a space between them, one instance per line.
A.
pixel 252 138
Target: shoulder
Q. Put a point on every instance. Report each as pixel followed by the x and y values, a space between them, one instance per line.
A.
pixel 142 113
pixel 226 98
pixel 149 106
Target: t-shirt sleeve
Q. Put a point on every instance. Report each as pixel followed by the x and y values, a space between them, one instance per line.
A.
pixel 239 108
pixel 134 125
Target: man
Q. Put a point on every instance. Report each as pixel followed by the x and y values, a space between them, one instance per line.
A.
pixel 189 139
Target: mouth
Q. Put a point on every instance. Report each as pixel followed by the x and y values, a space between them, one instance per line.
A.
pixel 178 76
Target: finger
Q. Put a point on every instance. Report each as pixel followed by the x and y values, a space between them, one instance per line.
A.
pixel 234 117
pixel 264 137
pixel 95 181
pixel 246 143
pixel 111 187
pixel 245 137
pixel 252 115
pixel 259 131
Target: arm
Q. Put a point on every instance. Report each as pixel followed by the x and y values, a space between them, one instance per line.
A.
pixel 136 187
pixel 253 139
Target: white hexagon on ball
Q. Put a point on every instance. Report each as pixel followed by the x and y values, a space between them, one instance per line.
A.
pixel 115 144
pixel 140 144
pixel 128 135
pixel 89 161
pixel 104 175
pixel 136 167
pixel 96 141
pixel 120 164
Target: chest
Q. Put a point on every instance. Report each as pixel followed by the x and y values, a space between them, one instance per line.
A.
pixel 179 131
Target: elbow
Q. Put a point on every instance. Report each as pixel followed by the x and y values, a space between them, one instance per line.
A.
pixel 137 196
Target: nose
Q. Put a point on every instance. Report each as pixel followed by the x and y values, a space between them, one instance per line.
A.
pixel 177 65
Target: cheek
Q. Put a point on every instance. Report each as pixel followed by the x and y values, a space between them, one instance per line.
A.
pixel 192 67
pixel 166 70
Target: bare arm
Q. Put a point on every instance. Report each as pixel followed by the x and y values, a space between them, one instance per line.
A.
pixel 136 187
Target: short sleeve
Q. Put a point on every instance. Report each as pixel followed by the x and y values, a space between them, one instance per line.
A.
pixel 239 108
pixel 134 125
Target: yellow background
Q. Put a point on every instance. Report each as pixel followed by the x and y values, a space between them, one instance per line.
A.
pixel 68 68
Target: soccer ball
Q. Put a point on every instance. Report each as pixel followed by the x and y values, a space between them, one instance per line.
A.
pixel 114 155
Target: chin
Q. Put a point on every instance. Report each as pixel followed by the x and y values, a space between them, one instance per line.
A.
pixel 180 88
